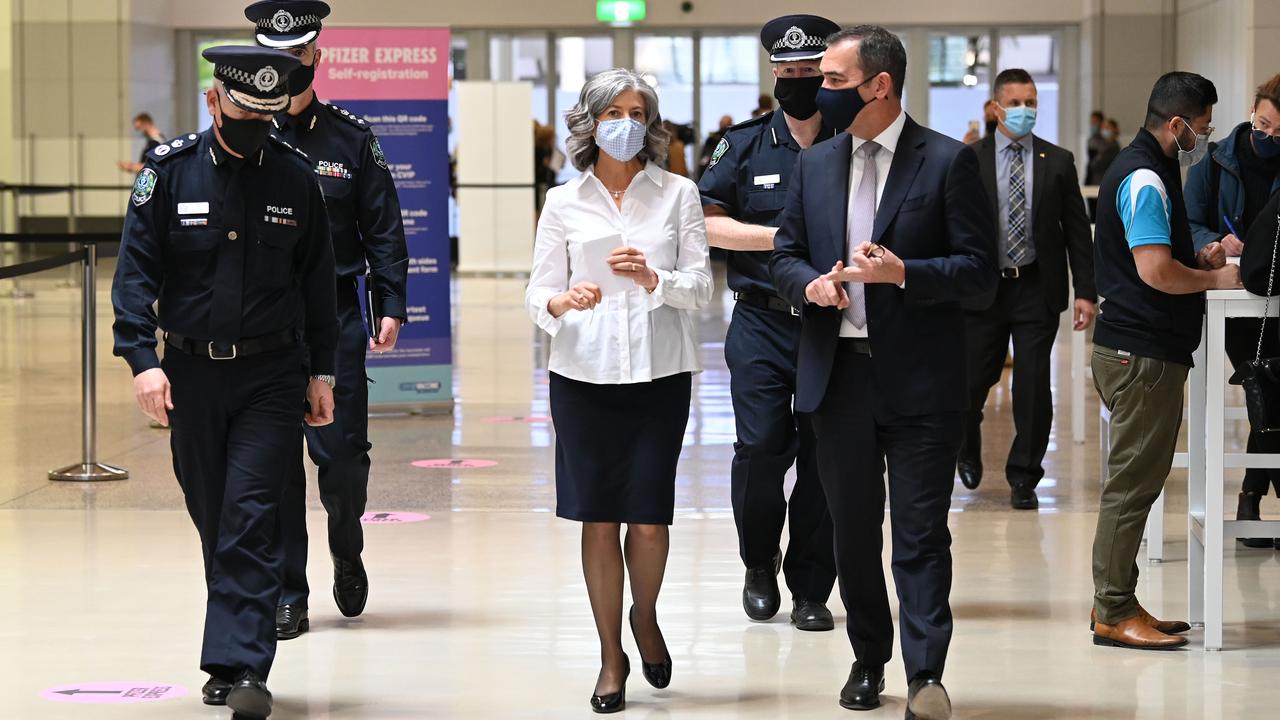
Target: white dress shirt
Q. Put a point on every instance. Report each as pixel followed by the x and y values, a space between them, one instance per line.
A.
pixel 633 336
pixel 888 142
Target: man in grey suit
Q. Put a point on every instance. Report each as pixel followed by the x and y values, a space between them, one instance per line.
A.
pixel 1034 189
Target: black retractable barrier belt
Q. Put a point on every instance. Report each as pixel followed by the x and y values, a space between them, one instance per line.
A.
pixel 60 238
pixel 36 266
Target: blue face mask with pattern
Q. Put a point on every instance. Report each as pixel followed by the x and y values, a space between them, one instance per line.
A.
pixel 622 139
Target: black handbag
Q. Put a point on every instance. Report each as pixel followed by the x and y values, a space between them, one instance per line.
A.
pixel 1260 377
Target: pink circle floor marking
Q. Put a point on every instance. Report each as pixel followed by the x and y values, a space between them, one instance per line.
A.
pixel 392 518
pixel 450 464
pixel 113 693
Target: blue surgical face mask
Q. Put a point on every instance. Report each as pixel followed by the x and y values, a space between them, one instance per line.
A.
pixel 1019 120
pixel 622 139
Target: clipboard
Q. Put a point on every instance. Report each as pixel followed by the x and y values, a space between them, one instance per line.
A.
pixel 373 306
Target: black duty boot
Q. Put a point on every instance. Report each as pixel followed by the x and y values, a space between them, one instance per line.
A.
pixel 1248 509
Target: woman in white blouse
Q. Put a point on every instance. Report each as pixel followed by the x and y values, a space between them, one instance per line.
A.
pixel 621 261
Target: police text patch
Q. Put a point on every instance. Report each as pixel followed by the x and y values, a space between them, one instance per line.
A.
pixel 144 187
pixel 378 155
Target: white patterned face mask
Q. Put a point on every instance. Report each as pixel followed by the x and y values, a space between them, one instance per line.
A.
pixel 621 139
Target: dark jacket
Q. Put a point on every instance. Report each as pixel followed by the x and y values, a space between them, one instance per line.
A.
pixel 933 214
pixel 1059 223
pixel 1207 225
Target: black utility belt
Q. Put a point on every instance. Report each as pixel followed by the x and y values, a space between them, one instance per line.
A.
pixel 765 301
pixel 858 346
pixel 221 351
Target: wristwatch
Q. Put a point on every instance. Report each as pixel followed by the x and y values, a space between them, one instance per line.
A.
pixel 326 379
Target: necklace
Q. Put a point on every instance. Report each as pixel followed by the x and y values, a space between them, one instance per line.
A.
pixel 617 194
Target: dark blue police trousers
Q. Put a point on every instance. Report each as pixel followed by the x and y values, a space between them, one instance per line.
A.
pixel 236 428
pixel 341 451
pixel 760 350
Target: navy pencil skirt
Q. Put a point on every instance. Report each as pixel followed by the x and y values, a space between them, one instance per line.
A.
pixel 617 448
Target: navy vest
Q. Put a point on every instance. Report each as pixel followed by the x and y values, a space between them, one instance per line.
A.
pixel 1136 317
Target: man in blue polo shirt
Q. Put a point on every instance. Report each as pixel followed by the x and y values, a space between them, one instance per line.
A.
pixel 1153 282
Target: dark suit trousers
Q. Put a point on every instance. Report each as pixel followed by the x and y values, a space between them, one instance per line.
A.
pixel 1019 312
pixel 236 428
pixel 855 438
pixel 1242 346
pixel 760 350
pixel 340 451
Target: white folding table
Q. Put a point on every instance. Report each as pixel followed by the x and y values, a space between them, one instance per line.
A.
pixel 1207 529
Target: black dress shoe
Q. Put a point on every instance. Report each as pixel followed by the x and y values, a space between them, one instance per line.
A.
pixel 350 586
pixel 811 616
pixel 613 702
pixel 215 691
pixel 862 692
pixel 657 674
pixel 970 473
pixel 249 697
pixel 761 598
pixel 1023 497
pixel 927 699
pixel 291 621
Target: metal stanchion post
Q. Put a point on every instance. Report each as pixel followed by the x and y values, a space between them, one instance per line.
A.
pixel 89 470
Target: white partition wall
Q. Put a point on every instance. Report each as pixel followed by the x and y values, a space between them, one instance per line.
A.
pixel 495 177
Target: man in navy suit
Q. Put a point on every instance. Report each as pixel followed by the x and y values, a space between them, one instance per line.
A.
pixel 886 230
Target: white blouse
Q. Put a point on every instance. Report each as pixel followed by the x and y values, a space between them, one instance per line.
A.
pixel 632 336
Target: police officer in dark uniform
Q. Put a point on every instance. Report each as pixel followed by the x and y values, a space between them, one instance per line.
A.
pixel 743 192
pixel 227 229
pixel 367 231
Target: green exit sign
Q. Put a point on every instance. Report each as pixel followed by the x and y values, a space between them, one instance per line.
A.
pixel 620 11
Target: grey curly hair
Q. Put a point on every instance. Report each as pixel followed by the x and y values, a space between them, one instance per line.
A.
pixel 600 92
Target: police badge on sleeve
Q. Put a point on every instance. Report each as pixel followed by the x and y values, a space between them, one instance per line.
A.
pixel 144 187
pixel 721 149
pixel 378 156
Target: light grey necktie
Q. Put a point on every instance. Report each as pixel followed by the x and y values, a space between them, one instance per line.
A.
pixel 862 219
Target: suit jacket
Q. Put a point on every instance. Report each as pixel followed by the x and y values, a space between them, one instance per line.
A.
pixel 1059 223
pixel 935 216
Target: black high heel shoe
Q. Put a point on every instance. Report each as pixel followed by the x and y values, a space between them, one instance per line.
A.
pixel 658 674
pixel 613 702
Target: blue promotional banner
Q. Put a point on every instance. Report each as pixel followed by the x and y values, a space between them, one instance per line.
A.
pixel 397 80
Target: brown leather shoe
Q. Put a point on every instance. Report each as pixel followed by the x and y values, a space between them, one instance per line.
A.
pixel 1135 634
pixel 1168 627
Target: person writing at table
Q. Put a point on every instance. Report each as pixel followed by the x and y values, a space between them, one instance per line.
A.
pixel 1153 282
pixel 1225 196
pixel 621 362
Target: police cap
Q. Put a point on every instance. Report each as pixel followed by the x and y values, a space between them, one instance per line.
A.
pixel 287 23
pixel 256 79
pixel 797 37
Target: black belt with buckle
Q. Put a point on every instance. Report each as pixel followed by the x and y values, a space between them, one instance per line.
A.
pixel 765 301
pixel 221 351
pixel 860 346
pixel 1015 272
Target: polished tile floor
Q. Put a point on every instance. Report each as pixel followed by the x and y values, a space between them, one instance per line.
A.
pixel 480 611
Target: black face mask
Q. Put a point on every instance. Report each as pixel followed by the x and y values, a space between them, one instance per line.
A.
pixel 841 107
pixel 798 96
pixel 242 136
pixel 301 79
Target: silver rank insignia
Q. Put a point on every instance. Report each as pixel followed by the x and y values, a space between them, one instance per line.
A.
pixel 163 150
pixel 144 187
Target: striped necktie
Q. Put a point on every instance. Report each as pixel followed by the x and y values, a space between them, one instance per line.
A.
pixel 1017 242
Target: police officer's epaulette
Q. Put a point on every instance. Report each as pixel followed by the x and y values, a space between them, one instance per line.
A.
pixel 757 120
pixel 174 147
pixel 287 146
pixel 348 116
